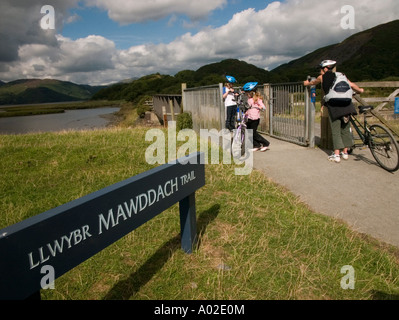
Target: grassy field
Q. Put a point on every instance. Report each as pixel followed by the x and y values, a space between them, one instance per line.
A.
pixel 256 240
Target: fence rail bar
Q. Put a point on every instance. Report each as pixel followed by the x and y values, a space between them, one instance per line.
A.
pixel 376 114
pixel 381 84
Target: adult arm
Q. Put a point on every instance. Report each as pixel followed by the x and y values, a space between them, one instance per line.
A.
pixel 355 87
pixel 313 82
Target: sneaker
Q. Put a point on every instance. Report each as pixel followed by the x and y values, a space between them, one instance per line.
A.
pixel 334 158
pixel 264 149
pixel 344 156
pixel 254 149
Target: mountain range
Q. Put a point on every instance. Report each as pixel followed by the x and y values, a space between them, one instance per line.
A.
pixel 30 91
pixel 370 55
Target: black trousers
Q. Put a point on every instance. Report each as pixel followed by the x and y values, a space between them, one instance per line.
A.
pixel 259 141
pixel 231 113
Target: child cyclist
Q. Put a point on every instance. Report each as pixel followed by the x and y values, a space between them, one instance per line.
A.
pixel 230 104
pixel 256 104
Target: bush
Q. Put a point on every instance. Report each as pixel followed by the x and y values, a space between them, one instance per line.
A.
pixel 141 110
pixel 184 121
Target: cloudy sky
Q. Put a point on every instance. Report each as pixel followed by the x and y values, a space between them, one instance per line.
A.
pixel 104 41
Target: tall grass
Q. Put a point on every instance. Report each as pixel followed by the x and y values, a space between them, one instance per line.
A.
pixel 256 240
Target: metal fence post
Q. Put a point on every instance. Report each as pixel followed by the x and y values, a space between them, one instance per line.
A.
pixel 310 110
pixel 183 96
pixel 222 108
pixel 271 105
pixel 312 118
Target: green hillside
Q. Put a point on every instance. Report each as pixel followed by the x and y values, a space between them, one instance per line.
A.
pixel 148 85
pixel 28 91
pixel 165 84
pixel 369 55
pixel 366 56
pixel 242 71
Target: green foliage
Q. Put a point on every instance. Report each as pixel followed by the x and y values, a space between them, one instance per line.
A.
pixel 241 70
pixel 148 85
pixel 186 76
pixel 110 93
pixel 142 107
pixel 184 121
pixel 165 84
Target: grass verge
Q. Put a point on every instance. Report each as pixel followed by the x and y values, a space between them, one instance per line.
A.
pixel 256 240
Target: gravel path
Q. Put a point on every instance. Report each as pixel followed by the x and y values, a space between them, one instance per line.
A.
pixel 357 191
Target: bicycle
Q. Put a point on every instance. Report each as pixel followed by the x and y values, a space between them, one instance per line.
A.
pixel 379 140
pixel 238 139
pixel 238 145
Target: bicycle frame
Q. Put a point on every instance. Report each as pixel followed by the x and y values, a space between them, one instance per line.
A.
pixel 242 127
pixel 240 117
pixel 365 135
pixel 379 139
pixel 238 140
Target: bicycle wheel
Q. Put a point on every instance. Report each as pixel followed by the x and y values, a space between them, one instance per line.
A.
pixel 238 143
pixel 384 147
pixel 243 133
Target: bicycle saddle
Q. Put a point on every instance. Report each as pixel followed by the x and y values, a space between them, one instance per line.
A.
pixel 364 109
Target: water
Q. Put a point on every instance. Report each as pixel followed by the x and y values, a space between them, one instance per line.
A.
pixel 86 119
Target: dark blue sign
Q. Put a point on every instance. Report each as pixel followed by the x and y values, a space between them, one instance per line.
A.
pixel 68 235
pixel 396 105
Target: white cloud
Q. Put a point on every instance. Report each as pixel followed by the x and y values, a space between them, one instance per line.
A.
pixel 20 25
pixel 281 32
pixel 79 61
pixel 277 34
pixel 93 53
pixel 133 11
pixel 73 18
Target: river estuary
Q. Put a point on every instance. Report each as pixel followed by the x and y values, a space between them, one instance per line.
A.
pixel 85 119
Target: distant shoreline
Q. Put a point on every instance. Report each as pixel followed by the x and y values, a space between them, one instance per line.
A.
pixel 40 104
pixel 74 120
pixel 51 108
pixel 113 119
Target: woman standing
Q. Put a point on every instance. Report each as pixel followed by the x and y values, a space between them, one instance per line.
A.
pixel 256 104
pixel 338 109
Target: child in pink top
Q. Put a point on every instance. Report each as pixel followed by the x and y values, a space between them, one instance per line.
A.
pixel 255 106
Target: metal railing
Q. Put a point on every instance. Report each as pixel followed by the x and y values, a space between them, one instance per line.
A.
pixel 290 114
pixel 206 107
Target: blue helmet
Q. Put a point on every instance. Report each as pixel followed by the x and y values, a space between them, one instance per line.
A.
pixel 249 86
pixel 231 79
